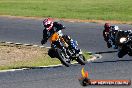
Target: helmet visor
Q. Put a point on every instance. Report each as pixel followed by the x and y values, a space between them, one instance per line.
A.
pixel 107 26
pixel 47 26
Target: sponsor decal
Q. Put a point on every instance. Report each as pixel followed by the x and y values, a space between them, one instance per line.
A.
pixel 86 81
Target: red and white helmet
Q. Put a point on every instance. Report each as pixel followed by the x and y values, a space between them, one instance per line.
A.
pixel 48 23
pixel 107 25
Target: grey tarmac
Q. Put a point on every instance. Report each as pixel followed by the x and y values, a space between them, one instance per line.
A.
pixel 89 37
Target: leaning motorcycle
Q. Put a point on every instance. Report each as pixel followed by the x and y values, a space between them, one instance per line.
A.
pixel 112 39
pixel 124 42
pixel 63 52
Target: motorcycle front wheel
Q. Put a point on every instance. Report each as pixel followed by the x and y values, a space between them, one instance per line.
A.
pixel 130 54
pixel 121 54
pixel 62 57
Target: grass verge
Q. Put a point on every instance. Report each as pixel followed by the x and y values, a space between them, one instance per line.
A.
pixel 76 9
pixel 14 57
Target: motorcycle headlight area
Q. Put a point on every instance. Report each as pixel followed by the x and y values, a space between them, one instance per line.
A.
pixel 123 39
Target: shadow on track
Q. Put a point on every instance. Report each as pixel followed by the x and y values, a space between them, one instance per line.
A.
pixel 113 61
pixel 105 52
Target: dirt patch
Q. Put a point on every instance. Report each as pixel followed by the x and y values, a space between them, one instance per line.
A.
pixel 10 54
pixel 19 56
pixel 71 20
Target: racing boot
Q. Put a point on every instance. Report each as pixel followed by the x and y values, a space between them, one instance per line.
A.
pixel 109 45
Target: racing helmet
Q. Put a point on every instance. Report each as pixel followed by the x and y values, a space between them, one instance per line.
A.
pixel 107 25
pixel 48 23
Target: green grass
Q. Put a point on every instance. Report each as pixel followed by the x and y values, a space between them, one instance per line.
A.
pixel 120 10
pixel 41 61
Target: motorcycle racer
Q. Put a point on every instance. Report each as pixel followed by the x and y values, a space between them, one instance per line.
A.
pixel 51 29
pixel 106 31
pixel 109 34
pixel 112 36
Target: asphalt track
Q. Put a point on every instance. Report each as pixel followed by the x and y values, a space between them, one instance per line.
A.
pixel 89 36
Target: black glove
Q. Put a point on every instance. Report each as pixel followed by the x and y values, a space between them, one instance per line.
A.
pixel 43 41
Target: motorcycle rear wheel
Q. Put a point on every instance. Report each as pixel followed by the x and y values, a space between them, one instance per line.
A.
pixel 81 59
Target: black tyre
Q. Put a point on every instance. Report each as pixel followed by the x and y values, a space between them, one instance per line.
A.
pixel 81 59
pixel 130 54
pixel 121 54
pixel 52 53
pixel 61 56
